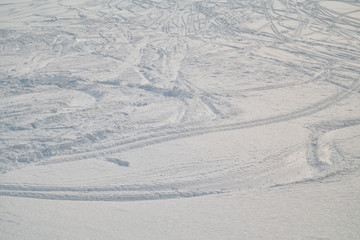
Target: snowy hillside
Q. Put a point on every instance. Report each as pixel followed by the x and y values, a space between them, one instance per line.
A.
pixel 232 119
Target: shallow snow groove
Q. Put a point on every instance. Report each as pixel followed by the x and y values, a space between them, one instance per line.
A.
pixel 114 84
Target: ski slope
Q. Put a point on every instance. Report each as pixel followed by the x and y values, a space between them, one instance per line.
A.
pixel 232 119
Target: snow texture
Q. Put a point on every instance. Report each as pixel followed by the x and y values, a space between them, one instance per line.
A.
pixel 233 119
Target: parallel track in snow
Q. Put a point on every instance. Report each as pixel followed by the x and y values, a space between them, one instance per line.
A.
pixel 97 79
pixel 169 134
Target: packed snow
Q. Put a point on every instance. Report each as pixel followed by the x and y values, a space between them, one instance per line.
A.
pixel 164 119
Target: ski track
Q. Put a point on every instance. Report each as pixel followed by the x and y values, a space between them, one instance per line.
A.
pixel 96 79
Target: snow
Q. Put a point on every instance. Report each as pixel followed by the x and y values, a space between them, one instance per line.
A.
pixel 179 119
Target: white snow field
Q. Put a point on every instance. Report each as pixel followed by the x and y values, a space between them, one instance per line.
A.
pixel 169 119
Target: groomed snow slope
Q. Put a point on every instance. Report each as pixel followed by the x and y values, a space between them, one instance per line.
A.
pixel 233 119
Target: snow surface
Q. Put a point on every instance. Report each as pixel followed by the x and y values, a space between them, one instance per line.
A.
pixel 232 119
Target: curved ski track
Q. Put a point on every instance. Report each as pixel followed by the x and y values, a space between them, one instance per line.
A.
pixel 171 133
